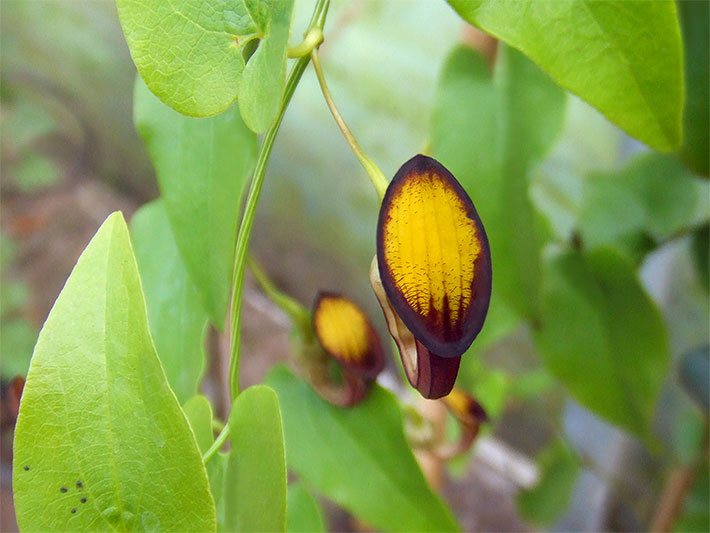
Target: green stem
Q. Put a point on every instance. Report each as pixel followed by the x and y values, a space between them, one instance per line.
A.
pixel 257 182
pixel 298 314
pixel 312 40
pixel 217 444
pixel 376 176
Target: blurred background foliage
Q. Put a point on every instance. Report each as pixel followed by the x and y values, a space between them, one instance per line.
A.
pixel 600 302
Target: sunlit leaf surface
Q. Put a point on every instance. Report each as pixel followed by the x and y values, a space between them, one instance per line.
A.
pixel 101 441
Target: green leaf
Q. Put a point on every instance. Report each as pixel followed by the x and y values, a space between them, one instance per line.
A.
pixel 489 130
pixel 358 457
pixel 695 21
pixel 216 470
pixel 647 201
pixel 488 385
pixel 304 513
pixel 198 412
pixel 501 321
pixel 177 320
pixel 546 502
pixel 603 337
pixel 255 480
pixel 191 54
pixel 624 58
pixel 532 385
pixel 98 419
pixel 186 52
pixel 264 76
pixel 245 17
pixel 203 166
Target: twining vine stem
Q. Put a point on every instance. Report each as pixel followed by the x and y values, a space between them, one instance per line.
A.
pixel 313 37
pixel 376 177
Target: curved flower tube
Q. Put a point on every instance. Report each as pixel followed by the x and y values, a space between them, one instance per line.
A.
pixel 470 415
pixel 432 272
pixel 347 336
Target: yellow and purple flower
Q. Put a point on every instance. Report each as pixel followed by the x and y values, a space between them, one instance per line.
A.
pixel 347 336
pixel 432 272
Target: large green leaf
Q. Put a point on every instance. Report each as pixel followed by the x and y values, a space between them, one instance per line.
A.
pixel 101 442
pixel 304 514
pixel 624 58
pixel 358 457
pixel 264 76
pixel 202 167
pixel 489 130
pixel 647 201
pixel 546 502
pixel 695 20
pixel 255 480
pixel 177 319
pixel 603 337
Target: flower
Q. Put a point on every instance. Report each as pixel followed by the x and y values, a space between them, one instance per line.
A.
pixel 347 336
pixel 432 272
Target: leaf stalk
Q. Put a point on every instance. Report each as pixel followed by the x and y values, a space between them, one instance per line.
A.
pixel 374 173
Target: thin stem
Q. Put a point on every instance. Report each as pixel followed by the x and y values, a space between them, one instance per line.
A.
pixel 217 444
pixel 257 182
pixel 376 177
pixel 296 312
pixel 676 489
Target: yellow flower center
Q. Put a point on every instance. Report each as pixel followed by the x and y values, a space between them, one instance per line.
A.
pixel 430 245
pixel 342 328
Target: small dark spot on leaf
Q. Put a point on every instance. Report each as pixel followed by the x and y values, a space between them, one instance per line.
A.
pixel 63 489
pixel 83 500
pixel 79 485
pixel 73 510
pixel 26 468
